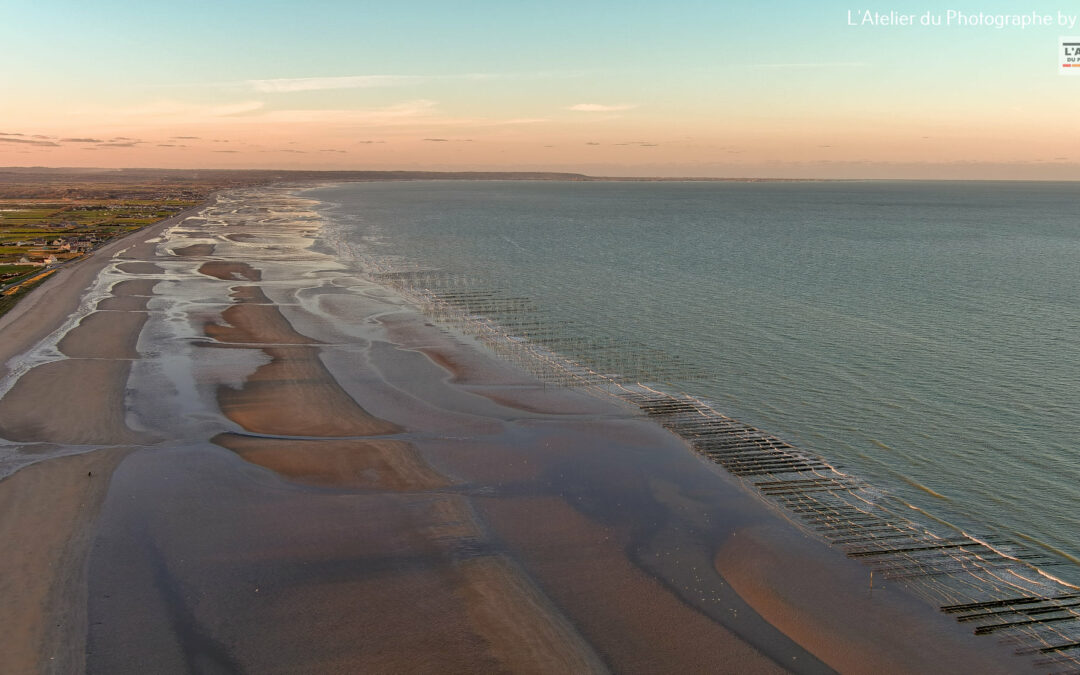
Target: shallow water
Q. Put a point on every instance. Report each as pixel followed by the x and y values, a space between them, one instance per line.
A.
pixel 303 443
pixel 924 336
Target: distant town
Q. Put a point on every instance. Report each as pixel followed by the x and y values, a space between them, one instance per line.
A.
pixel 38 235
pixel 51 218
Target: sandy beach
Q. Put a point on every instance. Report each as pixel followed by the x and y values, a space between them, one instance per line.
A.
pixel 233 446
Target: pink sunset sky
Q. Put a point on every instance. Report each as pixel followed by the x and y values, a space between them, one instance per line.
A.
pixel 684 90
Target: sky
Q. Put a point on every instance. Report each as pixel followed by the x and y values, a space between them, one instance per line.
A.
pixel 679 88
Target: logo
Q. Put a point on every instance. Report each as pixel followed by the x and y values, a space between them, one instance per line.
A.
pixel 1069 55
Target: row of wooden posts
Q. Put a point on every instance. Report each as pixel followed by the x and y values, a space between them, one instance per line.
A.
pixel 865 523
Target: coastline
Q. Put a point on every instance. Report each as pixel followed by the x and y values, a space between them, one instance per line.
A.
pixel 50 304
pixel 535 529
pixel 48 506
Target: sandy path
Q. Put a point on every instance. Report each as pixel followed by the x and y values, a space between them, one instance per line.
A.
pixel 46 511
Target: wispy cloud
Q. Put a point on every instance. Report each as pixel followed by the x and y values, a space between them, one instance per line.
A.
pixel 408 112
pixel 601 107
pixel 225 123
pixel 823 64
pixel 26 141
pixel 7 134
pixel 287 85
pixel 171 112
pixel 161 115
pixel 522 120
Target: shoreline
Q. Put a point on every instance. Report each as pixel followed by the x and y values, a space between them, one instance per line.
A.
pixel 55 299
pixel 50 502
pixel 542 521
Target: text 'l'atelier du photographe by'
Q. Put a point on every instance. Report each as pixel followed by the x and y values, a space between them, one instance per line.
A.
pixel 955 18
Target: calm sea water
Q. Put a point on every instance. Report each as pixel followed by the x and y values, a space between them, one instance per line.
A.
pixel 924 336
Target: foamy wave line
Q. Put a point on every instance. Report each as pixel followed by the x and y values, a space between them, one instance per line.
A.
pixel 46 350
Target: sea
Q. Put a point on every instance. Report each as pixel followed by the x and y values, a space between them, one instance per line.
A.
pixel 922 336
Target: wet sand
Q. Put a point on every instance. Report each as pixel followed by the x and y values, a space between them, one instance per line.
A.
pixel 255 323
pixel 140 268
pixel 810 600
pixel 385 465
pixel 294 395
pixel 310 477
pixel 194 250
pixel 48 508
pixel 105 335
pixel 46 523
pixel 229 271
pixel 72 401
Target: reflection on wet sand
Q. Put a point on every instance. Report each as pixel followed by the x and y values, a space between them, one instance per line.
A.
pixel 328 483
pixel 374 464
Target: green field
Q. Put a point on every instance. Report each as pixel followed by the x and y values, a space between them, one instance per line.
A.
pixel 15 269
pixel 96 220
pixel 10 274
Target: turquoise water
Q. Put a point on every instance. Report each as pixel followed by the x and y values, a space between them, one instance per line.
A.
pixel 923 336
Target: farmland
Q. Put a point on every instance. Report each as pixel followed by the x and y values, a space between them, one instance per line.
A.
pixel 39 232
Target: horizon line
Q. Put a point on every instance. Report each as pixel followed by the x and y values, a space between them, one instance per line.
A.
pixel 589 177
